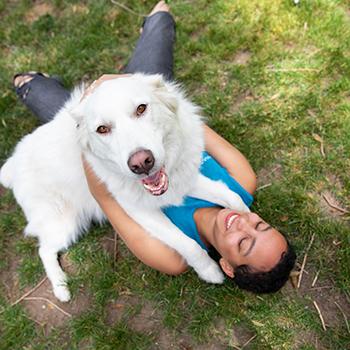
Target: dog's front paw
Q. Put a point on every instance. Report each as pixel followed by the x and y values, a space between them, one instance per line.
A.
pixel 236 203
pixel 212 273
pixel 62 293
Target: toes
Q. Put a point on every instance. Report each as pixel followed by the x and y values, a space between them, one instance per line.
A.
pixel 20 80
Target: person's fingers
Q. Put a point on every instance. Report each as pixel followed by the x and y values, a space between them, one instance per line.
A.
pixel 100 80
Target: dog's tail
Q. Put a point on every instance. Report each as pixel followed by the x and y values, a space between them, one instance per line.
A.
pixel 7 173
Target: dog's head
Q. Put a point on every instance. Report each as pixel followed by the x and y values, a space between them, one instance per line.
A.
pixel 131 124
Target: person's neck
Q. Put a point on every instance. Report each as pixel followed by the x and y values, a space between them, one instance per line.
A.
pixel 205 222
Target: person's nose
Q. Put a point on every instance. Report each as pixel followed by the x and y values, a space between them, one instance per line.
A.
pixel 245 224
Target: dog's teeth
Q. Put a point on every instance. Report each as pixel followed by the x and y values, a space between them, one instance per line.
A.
pixel 157 189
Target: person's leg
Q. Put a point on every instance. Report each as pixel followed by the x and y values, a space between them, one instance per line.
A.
pixel 154 50
pixel 42 95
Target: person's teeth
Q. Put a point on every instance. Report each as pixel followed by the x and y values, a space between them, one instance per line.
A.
pixel 230 221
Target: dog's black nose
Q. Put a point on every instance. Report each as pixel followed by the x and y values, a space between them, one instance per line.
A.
pixel 141 162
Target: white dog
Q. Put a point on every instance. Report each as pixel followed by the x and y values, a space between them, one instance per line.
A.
pixel 143 139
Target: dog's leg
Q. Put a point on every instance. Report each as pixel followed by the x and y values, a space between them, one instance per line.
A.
pixel 55 232
pixel 54 273
pixel 159 226
pixel 217 192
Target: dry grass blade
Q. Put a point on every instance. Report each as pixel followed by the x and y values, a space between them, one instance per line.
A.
pixel 320 316
pixel 345 318
pixel 115 248
pixel 319 139
pixel 304 260
pixel 263 186
pixel 315 279
pixel 124 7
pixel 334 206
pixel 50 302
pixel 293 69
pixel 248 341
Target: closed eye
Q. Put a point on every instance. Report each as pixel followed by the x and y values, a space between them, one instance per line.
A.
pixel 240 243
pixel 262 226
pixel 246 248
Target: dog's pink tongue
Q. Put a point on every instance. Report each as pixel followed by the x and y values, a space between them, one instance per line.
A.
pixel 153 179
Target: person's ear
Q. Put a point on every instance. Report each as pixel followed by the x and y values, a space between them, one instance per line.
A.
pixel 227 267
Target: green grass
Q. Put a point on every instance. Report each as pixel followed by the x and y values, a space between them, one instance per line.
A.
pixel 293 84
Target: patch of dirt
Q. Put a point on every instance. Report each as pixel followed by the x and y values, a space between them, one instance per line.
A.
pixel 307 338
pixel 39 309
pixel 335 181
pixel 269 174
pixel 242 58
pixel 240 99
pixel 290 46
pixel 198 33
pixel 112 15
pixel 46 315
pixel 326 295
pixel 240 336
pixel 39 9
pixel 9 277
pixel 2 191
pixel 109 245
pixel 149 320
pixel 80 9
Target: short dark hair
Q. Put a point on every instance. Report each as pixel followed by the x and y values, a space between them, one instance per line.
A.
pixel 262 282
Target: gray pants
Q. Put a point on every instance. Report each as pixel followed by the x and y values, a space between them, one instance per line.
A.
pixel 153 54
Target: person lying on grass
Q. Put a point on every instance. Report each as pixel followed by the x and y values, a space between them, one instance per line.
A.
pixel 253 254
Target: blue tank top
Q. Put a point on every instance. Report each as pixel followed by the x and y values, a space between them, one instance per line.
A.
pixel 182 216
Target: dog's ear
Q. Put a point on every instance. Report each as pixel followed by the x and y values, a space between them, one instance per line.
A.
pixel 77 111
pixel 163 92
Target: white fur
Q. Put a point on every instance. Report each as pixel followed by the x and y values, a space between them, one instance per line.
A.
pixel 48 181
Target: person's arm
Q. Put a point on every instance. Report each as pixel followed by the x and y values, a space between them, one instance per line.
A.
pixel 149 250
pixel 231 159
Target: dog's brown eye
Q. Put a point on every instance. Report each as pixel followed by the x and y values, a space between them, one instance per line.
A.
pixel 141 109
pixel 103 129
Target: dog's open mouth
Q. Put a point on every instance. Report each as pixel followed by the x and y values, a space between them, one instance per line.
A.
pixel 157 183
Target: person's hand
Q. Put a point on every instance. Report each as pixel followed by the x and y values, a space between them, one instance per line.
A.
pixel 97 188
pixel 100 80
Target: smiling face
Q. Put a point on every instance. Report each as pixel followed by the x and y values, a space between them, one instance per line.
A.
pixel 246 239
pixel 125 123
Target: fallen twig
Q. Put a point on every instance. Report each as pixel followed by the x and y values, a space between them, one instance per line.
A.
pixel 315 279
pixel 109 239
pixel 248 341
pixel 319 139
pixel 124 7
pixel 304 260
pixel 50 302
pixel 29 292
pixel 322 287
pixel 345 318
pixel 292 69
pixel 263 186
pixel 334 206
pixel 320 315
pixel 115 248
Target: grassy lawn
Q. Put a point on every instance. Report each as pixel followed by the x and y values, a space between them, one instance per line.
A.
pixel 272 78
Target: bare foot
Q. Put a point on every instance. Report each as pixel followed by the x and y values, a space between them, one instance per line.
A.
pixel 161 6
pixel 24 78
